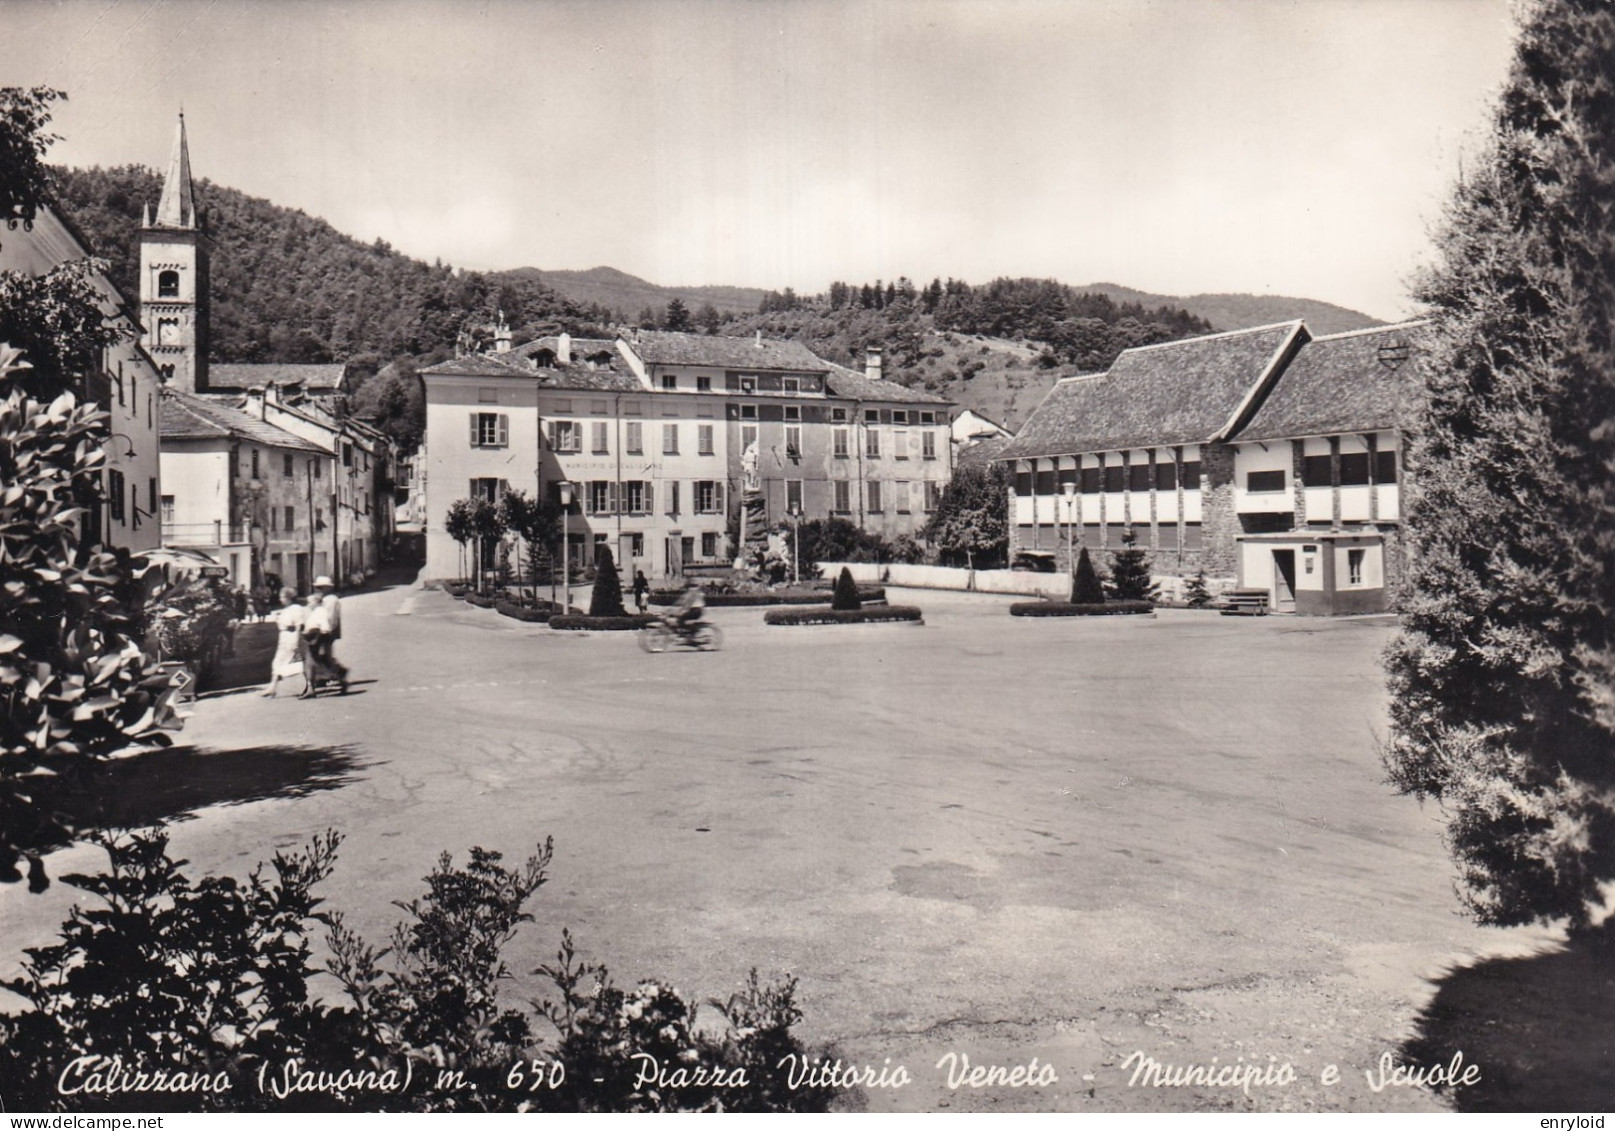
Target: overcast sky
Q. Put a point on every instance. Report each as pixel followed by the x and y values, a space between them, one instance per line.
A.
pixel 1177 146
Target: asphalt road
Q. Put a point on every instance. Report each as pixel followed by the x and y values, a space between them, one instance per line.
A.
pixel 998 837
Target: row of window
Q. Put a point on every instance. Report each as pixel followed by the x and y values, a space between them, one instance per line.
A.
pixel 492 430
pixel 1356 470
pixel 638 496
pixel 1162 476
pixel 634 547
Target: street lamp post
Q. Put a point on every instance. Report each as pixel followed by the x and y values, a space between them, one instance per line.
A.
pixel 564 488
pixel 795 510
pixel 1070 489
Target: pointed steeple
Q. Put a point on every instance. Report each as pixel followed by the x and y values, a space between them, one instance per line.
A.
pixel 177 208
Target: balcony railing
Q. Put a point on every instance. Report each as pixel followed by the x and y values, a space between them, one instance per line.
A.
pixel 203 534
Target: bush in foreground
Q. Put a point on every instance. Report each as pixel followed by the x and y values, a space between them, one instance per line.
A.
pixel 1502 684
pixel 212 979
pixel 822 615
pixel 1075 609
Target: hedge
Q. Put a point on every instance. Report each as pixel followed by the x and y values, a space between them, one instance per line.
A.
pixel 479 600
pixel 824 614
pixel 602 624
pixel 1067 609
pixel 781 597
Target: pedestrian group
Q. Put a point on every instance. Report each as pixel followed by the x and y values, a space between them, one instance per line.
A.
pixel 305 641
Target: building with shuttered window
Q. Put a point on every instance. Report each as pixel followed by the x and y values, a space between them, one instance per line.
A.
pixel 653 430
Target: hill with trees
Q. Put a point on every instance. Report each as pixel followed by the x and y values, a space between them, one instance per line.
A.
pixel 624 297
pixel 1239 311
pixel 286 286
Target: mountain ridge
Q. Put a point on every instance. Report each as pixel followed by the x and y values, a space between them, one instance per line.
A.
pixel 629 294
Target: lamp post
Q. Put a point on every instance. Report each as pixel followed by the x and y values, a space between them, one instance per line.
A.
pixel 1070 489
pixel 564 488
pixel 795 511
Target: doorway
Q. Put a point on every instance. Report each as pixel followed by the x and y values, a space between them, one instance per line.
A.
pixel 1284 581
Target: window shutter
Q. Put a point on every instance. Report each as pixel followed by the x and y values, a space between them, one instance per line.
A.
pixel 504 431
pixel 474 436
pixel 504 488
pixel 650 497
pixel 472 492
pixel 717 496
pixel 613 496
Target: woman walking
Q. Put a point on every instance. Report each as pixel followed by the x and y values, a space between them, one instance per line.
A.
pixel 288 659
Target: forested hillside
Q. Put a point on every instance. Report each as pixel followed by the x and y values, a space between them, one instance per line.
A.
pixel 289 287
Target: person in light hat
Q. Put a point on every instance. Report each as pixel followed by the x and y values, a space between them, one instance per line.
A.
pixel 322 629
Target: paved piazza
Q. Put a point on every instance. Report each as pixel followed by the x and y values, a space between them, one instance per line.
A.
pixel 1004 838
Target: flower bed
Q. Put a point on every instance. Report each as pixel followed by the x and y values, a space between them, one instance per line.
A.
pixel 479 600
pixel 743 599
pixel 578 622
pixel 1067 609
pixel 824 614
pixel 533 614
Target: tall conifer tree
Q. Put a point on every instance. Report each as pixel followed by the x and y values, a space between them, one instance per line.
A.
pixel 1503 680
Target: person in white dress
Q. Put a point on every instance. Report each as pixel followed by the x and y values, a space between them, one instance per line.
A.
pixel 288 659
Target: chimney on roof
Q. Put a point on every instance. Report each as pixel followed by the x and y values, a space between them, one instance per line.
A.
pixel 501 335
pixel 872 363
pixel 255 401
pixel 759 339
pixel 563 348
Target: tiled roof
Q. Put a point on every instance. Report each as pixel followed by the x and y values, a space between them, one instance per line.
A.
pixel 1184 392
pixel 187 417
pixel 1349 382
pixel 478 365
pixel 563 377
pixel 981 452
pixel 579 377
pixel 245 376
pixel 849 383
pixel 664 347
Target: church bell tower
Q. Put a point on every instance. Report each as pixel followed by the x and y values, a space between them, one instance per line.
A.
pixel 173 278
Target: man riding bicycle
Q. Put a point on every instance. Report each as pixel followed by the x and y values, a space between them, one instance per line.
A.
pixel 690 611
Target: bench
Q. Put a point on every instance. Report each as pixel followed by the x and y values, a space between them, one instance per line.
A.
pixel 1244 603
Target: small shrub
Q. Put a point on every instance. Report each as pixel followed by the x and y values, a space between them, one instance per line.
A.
pixel 480 600
pixel 574 622
pixel 1085 586
pixel 1130 572
pixel 822 615
pixel 846 597
pixel 606 599
pixel 1196 593
pixel 1077 609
